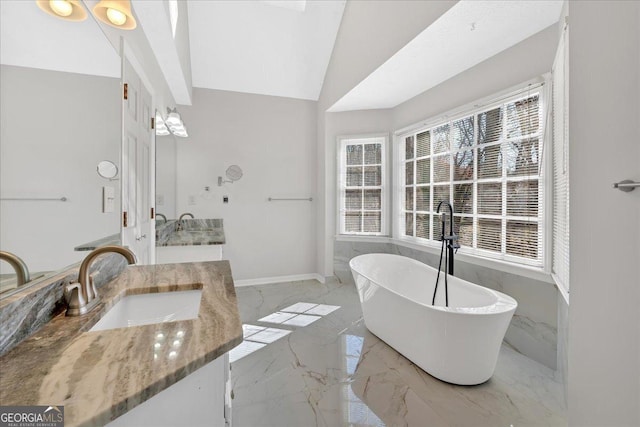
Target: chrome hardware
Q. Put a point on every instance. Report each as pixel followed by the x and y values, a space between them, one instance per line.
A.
pixel 52 199
pixel 144 236
pixel 627 185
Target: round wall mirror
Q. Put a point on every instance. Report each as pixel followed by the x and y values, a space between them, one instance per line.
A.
pixel 107 169
pixel 234 172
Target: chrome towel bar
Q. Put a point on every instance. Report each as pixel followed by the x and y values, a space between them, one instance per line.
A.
pixel 55 199
pixel 626 185
pixel 308 199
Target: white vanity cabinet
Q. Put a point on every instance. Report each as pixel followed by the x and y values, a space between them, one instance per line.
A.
pixel 199 253
pixel 202 398
pixel 190 240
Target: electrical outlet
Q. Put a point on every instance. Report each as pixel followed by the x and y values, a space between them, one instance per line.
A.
pixel 192 200
pixel 160 199
pixel 225 199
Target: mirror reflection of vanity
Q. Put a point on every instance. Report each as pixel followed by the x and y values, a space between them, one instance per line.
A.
pixel 59 118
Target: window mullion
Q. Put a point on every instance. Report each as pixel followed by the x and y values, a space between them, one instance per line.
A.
pixel 431 187
pixel 503 220
pixel 415 188
pixel 474 218
pixel 362 193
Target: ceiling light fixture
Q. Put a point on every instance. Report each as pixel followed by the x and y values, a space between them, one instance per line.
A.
pixel 175 123
pixel 69 10
pixel 116 13
pixel 161 127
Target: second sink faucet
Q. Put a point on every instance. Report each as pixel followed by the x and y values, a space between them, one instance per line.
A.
pixel 180 225
pixel 22 272
pixel 82 296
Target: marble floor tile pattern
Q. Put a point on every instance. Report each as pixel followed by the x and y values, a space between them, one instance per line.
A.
pixel 334 372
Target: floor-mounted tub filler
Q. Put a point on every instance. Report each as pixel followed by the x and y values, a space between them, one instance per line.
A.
pixel 458 344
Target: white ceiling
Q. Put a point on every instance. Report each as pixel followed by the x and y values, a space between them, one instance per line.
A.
pixel 31 38
pixel 261 47
pixel 467 34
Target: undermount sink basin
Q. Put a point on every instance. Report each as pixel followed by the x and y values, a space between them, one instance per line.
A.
pixel 147 309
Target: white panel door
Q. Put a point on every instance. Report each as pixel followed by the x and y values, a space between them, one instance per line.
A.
pixel 137 141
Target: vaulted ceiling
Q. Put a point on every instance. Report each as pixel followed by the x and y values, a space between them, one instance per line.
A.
pixel 279 48
pixel 31 38
pixel 468 33
pixel 282 47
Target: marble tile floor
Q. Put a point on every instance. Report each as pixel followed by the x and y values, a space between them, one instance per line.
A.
pixel 334 372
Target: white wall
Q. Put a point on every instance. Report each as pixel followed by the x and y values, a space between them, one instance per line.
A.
pixel 528 59
pixel 604 115
pixel 273 140
pixel 166 168
pixel 55 128
pixel 370 33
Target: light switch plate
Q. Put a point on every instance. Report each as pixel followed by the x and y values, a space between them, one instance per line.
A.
pixel 108 199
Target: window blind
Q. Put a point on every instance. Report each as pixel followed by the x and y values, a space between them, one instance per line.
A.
pixel 361 186
pixel 561 236
pixel 487 164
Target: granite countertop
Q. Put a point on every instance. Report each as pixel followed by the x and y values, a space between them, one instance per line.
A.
pixel 99 376
pixel 193 232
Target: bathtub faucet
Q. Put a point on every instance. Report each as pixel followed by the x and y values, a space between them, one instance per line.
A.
pixel 451 239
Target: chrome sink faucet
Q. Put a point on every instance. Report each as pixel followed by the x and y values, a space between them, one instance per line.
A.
pixel 22 272
pixel 82 296
pixel 180 224
pixel 161 216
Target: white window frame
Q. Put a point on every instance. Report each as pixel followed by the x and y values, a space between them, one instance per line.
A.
pixel 542 264
pixel 342 142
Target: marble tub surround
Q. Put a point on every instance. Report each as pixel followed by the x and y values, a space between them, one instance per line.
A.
pixel 334 372
pixel 193 232
pixel 98 376
pixel 533 330
pixel 24 312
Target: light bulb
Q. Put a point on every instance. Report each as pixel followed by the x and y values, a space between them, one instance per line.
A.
pixel 61 7
pixel 173 119
pixel 116 17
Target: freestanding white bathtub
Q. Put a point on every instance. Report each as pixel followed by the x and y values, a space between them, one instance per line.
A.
pixel 458 344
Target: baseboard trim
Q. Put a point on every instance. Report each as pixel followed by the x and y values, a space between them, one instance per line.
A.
pixel 280 279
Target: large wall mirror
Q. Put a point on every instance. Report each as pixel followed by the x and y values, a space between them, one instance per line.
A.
pixel 60 116
pixel 166 169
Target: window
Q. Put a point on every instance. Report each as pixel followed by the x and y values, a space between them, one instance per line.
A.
pixel 560 96
pixel 487 164
pixel 361 182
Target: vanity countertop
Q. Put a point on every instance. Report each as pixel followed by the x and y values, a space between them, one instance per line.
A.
pixel 194 232
pixel 99 376
pixel 113 239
